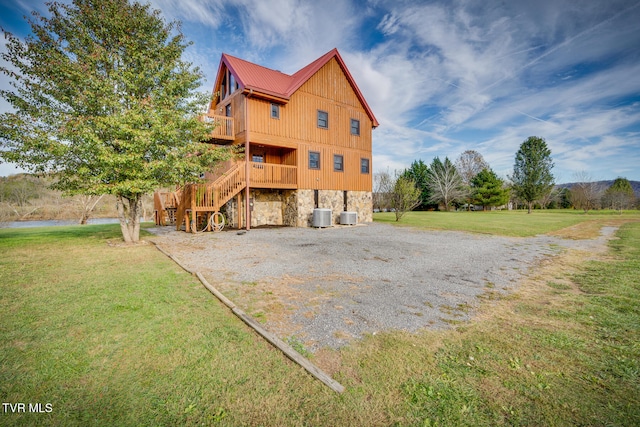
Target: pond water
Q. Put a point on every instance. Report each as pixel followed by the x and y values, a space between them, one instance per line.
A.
pixel 53 223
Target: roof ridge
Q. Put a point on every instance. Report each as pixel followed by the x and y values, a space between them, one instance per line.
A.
pixel 252 76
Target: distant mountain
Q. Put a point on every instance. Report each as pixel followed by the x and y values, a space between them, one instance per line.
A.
pixel 605 184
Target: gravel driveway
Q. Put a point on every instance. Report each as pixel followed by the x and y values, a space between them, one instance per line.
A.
pixel 328 286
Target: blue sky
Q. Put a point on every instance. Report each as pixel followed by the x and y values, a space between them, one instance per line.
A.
pixel 444 76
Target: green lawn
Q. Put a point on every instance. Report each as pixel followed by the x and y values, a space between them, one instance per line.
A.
pixel 506 223
pixel 111 335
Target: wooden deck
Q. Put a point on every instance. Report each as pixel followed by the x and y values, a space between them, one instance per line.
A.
pixel 224 127
pixel 269 175
pixel 195 203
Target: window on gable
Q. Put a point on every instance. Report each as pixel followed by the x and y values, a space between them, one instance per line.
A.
pixel 275 111
pixel 323 119
pixel 364 165
pixel 223 87
pixel 314 160
pixel 232 83
pixel 355 127
pixel 338 163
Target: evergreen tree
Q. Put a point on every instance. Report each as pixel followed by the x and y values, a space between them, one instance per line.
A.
pixel 488 189
pixel 620 195
pixel 532 176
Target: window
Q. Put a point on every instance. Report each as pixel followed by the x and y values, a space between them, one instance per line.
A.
pixel 232 83
pixel 223 87
pixel 355 127
pixel 275 111
pixel 314 160
pixel 323 119
pixel 364 165
pixel 257 158
pixel 338 163
pixel 227 110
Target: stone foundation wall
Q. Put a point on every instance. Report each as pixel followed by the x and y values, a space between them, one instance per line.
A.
pixel 305 206
pixel 357 201
pixel 267 207
pixel 334 200
pixel 295 208
pixel 362 203
pixel 230 212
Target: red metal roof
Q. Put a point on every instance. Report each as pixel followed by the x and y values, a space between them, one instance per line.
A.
pixel 259 79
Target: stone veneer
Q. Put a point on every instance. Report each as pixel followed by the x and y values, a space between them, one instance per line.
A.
pixel 295 207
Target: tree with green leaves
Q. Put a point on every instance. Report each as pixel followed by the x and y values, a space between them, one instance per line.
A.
pixel 419 173
pixel 532 176
pixel 489 190
pixel 445 183
pixel 102 99
pixel 620 195
pixel 405 196
pixel 398 193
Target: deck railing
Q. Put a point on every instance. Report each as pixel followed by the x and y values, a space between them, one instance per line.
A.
pixel 229 184
pixel 209 197
pixel 224 127
pixel 270 175
pixel 165 205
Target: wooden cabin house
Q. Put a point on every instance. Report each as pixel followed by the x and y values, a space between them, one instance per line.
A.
pixel 307 144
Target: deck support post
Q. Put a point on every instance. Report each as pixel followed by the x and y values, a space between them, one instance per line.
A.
pixel 239 210
pixel 247 149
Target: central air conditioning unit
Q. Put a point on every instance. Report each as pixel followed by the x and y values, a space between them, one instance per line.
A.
pixel 348 218
pixel 322 218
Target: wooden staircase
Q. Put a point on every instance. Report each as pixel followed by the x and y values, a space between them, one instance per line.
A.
pixel 166 205
pixel 194 204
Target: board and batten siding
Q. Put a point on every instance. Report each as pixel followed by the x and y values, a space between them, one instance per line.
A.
pixel 297 128
pixel 328 90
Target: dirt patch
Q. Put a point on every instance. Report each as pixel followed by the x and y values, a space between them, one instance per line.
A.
pixel 588 229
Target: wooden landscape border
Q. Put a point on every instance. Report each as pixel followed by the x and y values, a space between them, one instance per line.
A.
pixel 289 351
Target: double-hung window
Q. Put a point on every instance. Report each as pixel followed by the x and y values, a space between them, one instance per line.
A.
pixel 364 165
pixel 314 160
pixel 275 111
pixel 355 127
pixel 323 119
pixel 338 163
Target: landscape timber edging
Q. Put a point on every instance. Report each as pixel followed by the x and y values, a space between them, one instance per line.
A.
pixel 289 351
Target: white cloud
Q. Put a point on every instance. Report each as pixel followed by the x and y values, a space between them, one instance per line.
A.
pixel 446 76
pixel 210 12
pixel 389 24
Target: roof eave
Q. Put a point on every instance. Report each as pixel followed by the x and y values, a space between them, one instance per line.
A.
pixel 265 94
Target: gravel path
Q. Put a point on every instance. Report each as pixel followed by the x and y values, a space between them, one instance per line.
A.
pixel 328 286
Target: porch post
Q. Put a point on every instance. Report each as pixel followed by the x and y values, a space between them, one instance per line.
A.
pixel 247 158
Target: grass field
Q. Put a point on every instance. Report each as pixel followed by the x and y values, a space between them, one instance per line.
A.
pixel 113 335
pixel 506 223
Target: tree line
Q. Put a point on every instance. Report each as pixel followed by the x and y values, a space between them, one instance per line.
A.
pixel 469 183
pixel 26 197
